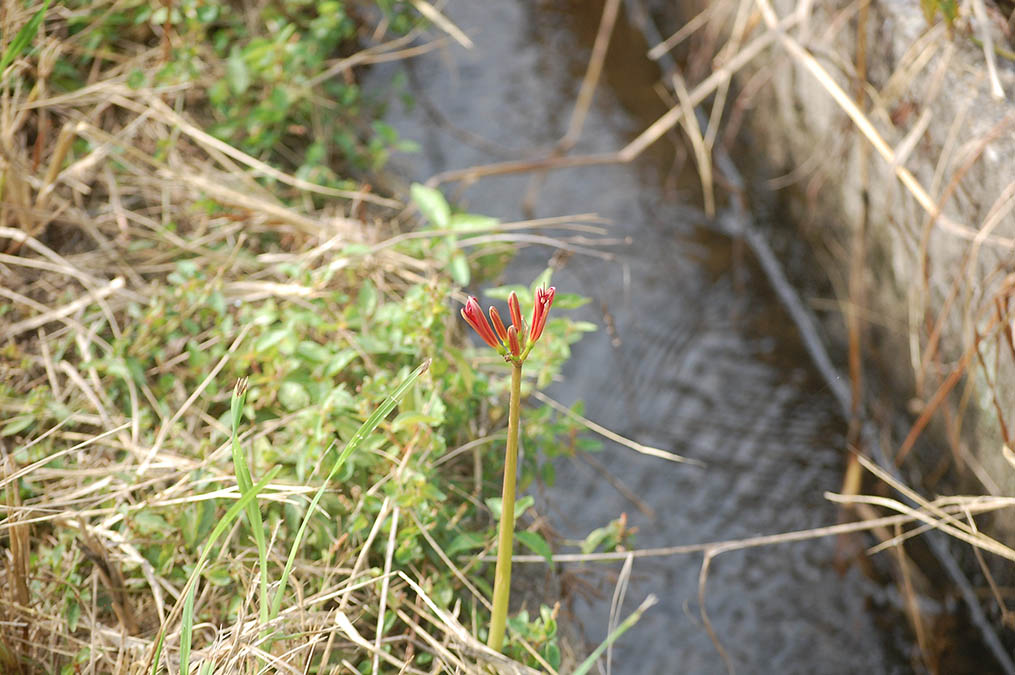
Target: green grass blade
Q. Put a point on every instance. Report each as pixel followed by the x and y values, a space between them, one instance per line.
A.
pixel 632 619
pixel 220 529
pixel 187 629
pixel 158 652
pixel 365 430
pixel 23 38
pixel 244 481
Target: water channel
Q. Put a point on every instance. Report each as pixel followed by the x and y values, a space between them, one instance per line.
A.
pixel 699 359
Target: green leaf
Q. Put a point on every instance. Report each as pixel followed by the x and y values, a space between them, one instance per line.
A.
pixel 414 418
pixel 495 504
pixel 431 204
pixel 569 301
pixel 293 396
pixel 148 522
pixel 472 221
pixel 459 268
pixel 271 338
pixel 218 576
pixel 367 299
pixel 312 351
pixel 73 614
pixel 535 543
pixel 466 541
pixel 594 539
pixel 552 655
pixel 584 326
pixel 24 37
pixel 17 424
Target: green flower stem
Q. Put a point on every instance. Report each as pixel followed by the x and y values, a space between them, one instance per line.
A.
pixel 505 540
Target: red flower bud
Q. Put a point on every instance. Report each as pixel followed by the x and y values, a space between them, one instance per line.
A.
pixel 540 310
pixel 512 341
pixel 498 325
pixel 474 316
pixel 516 312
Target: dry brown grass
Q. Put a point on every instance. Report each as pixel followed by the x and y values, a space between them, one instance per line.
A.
pixel 104 190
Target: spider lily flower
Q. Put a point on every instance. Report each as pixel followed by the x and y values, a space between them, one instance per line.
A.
pixel 513 344
pixel 498 325
pixel 474 316
pixel 540 310
pixel 516 313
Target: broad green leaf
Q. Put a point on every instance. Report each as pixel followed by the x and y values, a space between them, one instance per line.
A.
pixel 552 655
pixel 312 351
pixel 271 338
pixel 237 74
pixel 535 543
pixel 17 424
pixel 459 268
pixel 293 396
pixel 569 301
pixel 413 418
pixel 466 541
pixel 431 204
pixel 495 504
pixel 148 523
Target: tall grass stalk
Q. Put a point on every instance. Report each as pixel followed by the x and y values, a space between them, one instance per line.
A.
pixel 188 606
pixel 244 481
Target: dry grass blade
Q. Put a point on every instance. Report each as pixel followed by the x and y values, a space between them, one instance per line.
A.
pixel 976 505
pixel 613 436
pixel 442 22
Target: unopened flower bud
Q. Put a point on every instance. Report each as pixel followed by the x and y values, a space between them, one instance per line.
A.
pixel 516 312
pixel 474 316
pixel 513 344
pixel 498 325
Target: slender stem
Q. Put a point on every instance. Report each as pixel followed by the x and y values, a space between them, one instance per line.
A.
pixel 502 575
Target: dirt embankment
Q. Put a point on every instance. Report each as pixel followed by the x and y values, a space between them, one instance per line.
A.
pixel 907 192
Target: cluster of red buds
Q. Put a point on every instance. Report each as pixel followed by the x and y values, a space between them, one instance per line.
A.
pixel 515 341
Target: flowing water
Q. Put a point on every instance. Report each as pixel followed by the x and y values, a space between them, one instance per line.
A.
pixel 695 356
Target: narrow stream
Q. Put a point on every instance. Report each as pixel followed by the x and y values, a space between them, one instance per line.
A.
pixel 701 361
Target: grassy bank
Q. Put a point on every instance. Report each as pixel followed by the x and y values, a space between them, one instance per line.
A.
pixel 190 198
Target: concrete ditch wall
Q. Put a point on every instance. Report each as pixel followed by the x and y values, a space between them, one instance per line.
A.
pixel 929 98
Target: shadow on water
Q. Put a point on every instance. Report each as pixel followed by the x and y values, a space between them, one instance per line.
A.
pixel 701 361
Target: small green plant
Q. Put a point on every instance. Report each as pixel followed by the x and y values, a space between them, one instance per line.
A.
pixel 514 344
pixel 541 634
pixel 273 88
